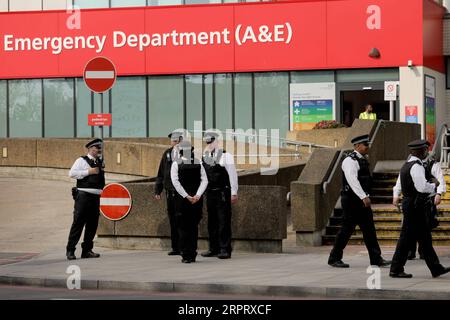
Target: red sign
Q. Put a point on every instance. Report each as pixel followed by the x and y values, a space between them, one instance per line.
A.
pixel 115 202
pixel 218 38
pixel 99 119
pixel 99 74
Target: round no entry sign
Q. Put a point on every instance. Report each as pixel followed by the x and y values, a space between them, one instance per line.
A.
pixel 115 202
pixel 99 74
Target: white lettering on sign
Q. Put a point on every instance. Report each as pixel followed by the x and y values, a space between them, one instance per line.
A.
pixel 56 44
pixel 264 34
pixel 281 33
pixel 374 20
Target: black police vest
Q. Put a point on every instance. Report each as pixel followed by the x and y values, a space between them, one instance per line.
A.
pixel 364 177
pixel 218 177
pixel 93 181
pixel 189 175
pixel 408 188
pixel 428 166
pixel 167 166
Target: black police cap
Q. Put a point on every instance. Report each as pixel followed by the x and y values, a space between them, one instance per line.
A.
pixel 418 144
pixel 175 135
pixel 95 142
pixel 210 137
pixel 361 139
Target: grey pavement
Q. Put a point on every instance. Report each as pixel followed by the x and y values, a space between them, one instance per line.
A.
pixel 33 231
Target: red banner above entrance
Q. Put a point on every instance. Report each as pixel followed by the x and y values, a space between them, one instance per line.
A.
pixel 302 35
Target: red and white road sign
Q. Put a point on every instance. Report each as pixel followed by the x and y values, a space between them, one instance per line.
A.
pixel 99 74
pixel 99 119
pixel 115 202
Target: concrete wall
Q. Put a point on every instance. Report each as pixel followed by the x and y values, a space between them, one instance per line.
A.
pixel 311 208
pixel 259 221
pixel 137 157
pixel 327 137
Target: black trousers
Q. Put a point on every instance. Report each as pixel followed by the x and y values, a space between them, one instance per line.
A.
pixel 170 200
pixel 415 228
pixel 218 204
pixel 85 215
pixel 354 213
pixel 432 218
pixel 188 217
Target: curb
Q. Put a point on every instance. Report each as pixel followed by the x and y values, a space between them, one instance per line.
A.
pixel 216 288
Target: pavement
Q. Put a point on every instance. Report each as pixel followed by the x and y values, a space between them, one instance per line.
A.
pixel 33 234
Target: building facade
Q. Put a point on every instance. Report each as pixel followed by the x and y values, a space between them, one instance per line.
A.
pixel 351 47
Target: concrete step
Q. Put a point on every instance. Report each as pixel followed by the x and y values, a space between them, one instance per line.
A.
pixel 383 240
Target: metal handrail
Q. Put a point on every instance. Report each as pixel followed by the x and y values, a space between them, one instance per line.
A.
pixel 439 138
pixel 333 171
pixel 342 152
pixel 283 140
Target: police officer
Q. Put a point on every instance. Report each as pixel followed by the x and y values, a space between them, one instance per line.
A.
pixel 356 206
pixel 90 175
pixel 163 181
pixel 432 169
pixel 220 194
pixel 190 181
pixel 415 226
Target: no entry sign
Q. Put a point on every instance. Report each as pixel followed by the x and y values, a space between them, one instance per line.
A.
pixel 115 202
pixel 99 74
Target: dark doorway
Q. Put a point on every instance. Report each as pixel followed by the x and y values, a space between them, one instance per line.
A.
pixel 353 103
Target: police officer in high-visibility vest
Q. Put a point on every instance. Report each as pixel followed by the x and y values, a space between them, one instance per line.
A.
pixel 220 194
pixel 163 181
pixel 368 113
pixel 90 175
pixel 415 227
pixel 190 181
pixel 355 200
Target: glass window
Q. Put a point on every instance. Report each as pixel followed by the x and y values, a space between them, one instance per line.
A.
pixel 3 108
pixel 201 1
pixel 209 78
pixel 363 75
pixel 243 101
pixel 272 102
pixel 25 5
pixel 448 72
pixel 129 107
pixel 312 76
pixel 25 108
pixel 128 3
pixel 56 4
pixel 224 106
pixel 194 103
pixel 165 104
pixel 58 108
pixel 98 109
pixel 83 107
pixel 92 3
pixel 163 2
pixel 4 5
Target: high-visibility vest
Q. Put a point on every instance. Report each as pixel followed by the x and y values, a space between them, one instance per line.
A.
pixel 368 116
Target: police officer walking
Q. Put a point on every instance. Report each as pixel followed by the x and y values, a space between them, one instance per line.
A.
pixel 432 170
pixel 163 181
pixel 190 181
pixel 356 204
pixel 220 194
pixel 416 226
pixel 90 175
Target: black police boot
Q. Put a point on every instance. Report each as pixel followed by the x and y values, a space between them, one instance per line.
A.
pixel 209 254
pixel 70 255
pixel 411 255
pixel 400 275
pixel 338 264
pixel 384 263
pixel 89 254
pixel 440 273
pixel 224 255
pixel 174 253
